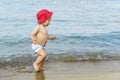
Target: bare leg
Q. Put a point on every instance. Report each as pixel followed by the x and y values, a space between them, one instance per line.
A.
pixel 40 60
pixel 41 65
pixel 36 64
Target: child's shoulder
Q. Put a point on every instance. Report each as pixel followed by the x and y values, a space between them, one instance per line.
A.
pixel 36 27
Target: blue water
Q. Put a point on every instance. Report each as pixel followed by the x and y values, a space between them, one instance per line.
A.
pixel 81 26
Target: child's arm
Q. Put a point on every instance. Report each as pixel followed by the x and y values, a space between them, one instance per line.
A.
pixel 51 37
pixel 33 35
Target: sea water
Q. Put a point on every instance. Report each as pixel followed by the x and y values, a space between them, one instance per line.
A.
pixel 87 28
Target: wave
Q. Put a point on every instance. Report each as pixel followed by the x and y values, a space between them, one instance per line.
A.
pixel 83 57
pixel 111 39
pixel 74 42
pixel 27 60
pixel 13 41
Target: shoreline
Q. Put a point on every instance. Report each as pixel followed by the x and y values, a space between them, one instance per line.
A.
pixel 107 70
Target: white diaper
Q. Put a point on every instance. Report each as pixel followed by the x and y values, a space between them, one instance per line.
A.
pixel 37 47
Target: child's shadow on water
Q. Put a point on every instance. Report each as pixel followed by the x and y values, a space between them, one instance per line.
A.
pixel 39 75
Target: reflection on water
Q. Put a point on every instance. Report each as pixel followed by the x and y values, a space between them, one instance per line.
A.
pixel 39 75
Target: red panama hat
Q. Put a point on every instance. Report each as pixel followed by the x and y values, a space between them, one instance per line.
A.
pixel 43 15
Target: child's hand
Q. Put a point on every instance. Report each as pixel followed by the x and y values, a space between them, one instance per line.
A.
pixel 52 37
pixel 35 41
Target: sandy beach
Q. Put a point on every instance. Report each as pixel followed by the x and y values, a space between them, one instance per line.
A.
pixel 98 70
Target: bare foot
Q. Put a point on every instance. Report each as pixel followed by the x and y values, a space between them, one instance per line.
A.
pixel 43 68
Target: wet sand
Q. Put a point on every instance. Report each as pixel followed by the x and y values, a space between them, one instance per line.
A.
pixel 97 70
